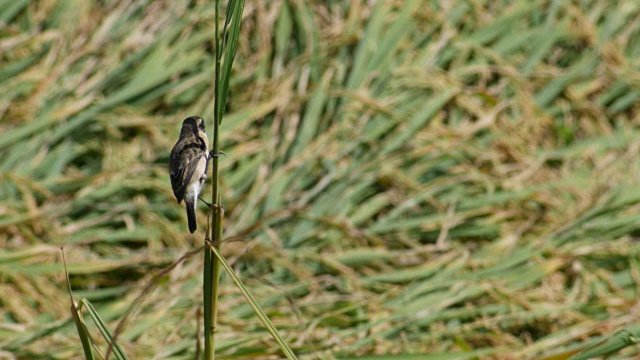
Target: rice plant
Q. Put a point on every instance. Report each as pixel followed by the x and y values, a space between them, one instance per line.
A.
pixel 402 180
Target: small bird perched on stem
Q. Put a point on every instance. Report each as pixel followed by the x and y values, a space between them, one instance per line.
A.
pixel 188 165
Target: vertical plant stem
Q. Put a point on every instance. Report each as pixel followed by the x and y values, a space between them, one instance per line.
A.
pixel 212 264
pixel 77 317
pixel 217 229
pixel 207 295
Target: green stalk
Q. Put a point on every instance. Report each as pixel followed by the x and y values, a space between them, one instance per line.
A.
pixel 207 295
pixel 211 263
pixel 82 331
pixel 77 317
pixel 212 267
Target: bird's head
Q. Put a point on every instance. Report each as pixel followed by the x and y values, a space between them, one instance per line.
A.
pixel 192 124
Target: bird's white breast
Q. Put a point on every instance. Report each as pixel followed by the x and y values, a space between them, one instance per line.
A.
pixel 197 180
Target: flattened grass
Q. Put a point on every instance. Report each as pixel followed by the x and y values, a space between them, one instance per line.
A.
pixel 401 179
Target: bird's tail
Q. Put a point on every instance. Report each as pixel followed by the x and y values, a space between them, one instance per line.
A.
pixel 191 215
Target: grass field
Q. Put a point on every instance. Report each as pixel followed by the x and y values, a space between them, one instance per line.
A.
pixel 402 180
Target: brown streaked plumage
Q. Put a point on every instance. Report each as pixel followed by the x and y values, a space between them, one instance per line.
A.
pixel 188 165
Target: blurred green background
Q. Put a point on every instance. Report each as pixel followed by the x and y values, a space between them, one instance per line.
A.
pixel 402 180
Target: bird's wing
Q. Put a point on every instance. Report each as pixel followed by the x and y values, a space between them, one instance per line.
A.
pixel 183 162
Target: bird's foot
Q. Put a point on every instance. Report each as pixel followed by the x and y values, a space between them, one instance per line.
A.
pixel 210 205
pixel 212 154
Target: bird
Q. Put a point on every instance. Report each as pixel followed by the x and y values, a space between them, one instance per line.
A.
pixel 188 164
